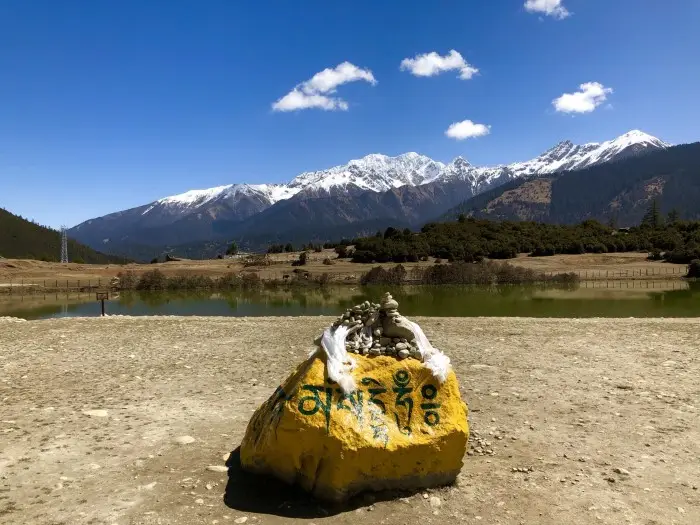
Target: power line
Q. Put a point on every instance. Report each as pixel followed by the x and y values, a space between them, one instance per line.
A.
pixel 64 245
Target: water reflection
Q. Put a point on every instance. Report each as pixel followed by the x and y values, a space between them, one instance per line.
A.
pixel 592 299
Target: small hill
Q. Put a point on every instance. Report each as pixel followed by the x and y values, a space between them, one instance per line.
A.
pixel 23 239
pixel 616 192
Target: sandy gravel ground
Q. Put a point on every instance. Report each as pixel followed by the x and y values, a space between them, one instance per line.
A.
pixel 128 420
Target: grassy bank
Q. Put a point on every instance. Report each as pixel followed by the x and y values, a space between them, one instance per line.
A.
pixel 23 277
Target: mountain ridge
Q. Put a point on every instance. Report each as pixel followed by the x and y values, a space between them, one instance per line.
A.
pixel 408 188
pixel 415 165
pixel 619 192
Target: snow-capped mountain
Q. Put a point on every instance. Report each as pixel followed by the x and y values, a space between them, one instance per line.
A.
pixel 265 193
pixel 371 173
pixel 565 156
pixel 205 214
pixel 380 173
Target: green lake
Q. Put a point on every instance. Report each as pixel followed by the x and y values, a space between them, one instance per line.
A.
pixel 587 299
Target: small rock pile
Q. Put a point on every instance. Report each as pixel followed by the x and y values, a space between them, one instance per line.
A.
pixel 479 446
pixel 367 333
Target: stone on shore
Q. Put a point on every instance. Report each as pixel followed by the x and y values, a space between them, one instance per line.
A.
pixel 401 429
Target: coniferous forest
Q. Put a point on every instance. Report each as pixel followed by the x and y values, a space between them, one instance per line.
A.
pixel 23 239
pixel 469 239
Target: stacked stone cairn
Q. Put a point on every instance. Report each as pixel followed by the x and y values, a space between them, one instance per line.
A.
pixel 368 333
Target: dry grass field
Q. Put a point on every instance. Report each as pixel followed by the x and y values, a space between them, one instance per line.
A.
pixel 593 266
pixel 581 421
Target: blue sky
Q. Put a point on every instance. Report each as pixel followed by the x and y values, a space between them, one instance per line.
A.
pixel 109 105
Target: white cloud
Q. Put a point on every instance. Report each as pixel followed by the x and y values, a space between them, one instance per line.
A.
pixel 431 64
pixel 590 96
pixel 467 129
pixel 314 92
pixel 547 7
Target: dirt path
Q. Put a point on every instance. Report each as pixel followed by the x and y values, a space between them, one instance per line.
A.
pixel 599 416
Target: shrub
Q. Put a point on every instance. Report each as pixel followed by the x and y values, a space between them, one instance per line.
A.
pixel 189 282
pixel 490 272
pixel 127 280
pixel 154 260
pixel 684 255
pixel 694 269
pixel 655 255
pixel 322 279
pixel 303 259
pixel 152 280
pixel 230 280
pixel 250 280
pixel 379 275
pixel 327 261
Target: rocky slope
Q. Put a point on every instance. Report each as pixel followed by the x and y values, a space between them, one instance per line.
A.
pixel 618 192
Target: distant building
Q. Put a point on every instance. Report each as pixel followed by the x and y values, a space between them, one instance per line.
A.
pixel 620 230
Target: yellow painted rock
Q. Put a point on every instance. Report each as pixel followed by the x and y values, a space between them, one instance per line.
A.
pixel 401 429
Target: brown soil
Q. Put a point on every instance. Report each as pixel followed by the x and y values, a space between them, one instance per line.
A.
pixel 599 416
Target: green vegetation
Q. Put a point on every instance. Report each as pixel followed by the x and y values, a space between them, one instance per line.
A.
pixel 280 248
pixel 472 240
pixel 155 280
pixel 232 249
pixel 486 272
pixel 303 259
pixel 694 269
pixel 652 218
pixel 24 239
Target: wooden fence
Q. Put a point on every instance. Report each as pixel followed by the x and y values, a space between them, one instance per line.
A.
pixel 654 272
pixel 26 286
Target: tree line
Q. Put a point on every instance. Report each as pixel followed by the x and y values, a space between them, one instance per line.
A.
pixel 21 238
pixel 471 240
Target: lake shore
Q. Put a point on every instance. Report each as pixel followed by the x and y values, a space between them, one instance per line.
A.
pixel 603 412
